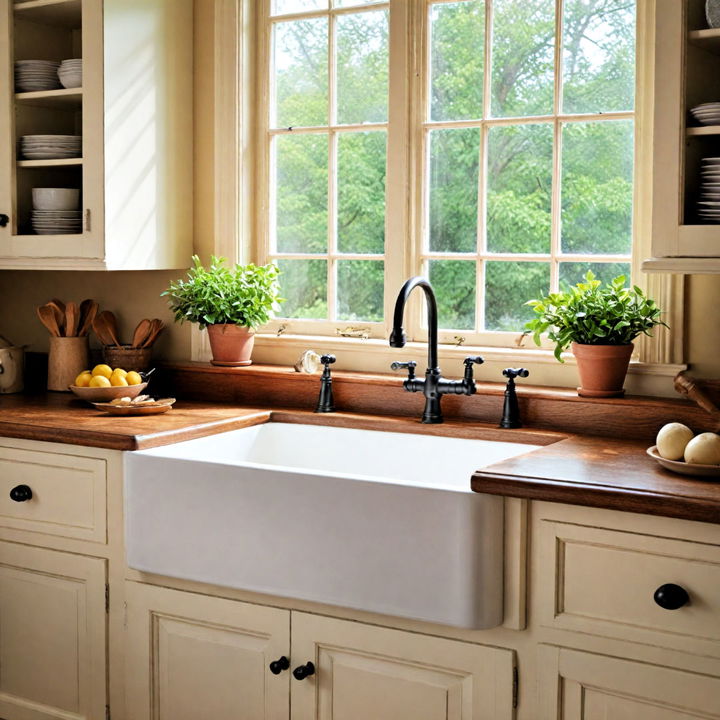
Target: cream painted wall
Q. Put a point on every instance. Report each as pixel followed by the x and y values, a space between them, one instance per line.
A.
pixel 703 325
pixel 130 295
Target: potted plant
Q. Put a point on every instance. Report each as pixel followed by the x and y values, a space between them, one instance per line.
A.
pixel 230 303
pixel 600 324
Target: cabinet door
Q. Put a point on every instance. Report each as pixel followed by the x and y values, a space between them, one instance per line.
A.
pixel 363 672
pixel 192 656
pixel 52 635
pixel 577 685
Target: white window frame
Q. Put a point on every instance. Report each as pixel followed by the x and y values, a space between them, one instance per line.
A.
pixel 244 217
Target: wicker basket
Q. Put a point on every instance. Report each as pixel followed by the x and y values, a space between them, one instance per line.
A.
pixel 128 358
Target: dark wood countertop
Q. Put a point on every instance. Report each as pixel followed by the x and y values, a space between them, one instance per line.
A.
pixel 580 469
pixel 605 473
pixel 58 417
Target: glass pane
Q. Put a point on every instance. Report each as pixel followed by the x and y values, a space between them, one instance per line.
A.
pixel 520 161
pixel 303 284
pixel 457 58
pixel 301 73
pixel 361 192
pixel 597 187
pixel 508 286
pixel 354 3
pixel 280 7
pixel 598 55
pixel 301 173
pixel 454 158
pixel 454 285
pixel 522 57
pixel 573 273
pixel 360 290
pixel 362 67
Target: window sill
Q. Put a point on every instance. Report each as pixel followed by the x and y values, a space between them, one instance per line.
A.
pixel 375 356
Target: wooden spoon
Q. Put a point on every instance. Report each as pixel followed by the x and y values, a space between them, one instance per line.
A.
pixel 142 331
pixel 48 319
pixel 110 322
pixel 156 328
pixel 58 307
pixel 100 326
pixel 88 311
pixel 72 319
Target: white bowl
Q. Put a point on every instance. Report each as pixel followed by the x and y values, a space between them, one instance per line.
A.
pixel 56 198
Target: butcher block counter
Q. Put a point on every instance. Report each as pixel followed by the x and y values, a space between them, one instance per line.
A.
pixel 576 469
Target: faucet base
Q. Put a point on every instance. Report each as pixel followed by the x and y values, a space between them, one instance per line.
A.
pixel 432 415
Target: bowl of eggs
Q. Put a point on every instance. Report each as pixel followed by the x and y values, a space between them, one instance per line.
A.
pixel 679 449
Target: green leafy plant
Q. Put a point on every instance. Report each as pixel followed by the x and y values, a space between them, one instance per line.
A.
pixel 246 295
pixel 590 314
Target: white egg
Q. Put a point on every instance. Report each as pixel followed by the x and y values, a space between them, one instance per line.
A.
pixel 704 449
pixel 672 439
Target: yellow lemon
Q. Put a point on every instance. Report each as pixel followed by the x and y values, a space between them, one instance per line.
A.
pixel 120 372
pixel 102 370
pixel 133 378
pixel 118 381
pixel 83 379
pixel 98 381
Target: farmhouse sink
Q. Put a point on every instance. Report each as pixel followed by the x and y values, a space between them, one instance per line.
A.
pixel 378 521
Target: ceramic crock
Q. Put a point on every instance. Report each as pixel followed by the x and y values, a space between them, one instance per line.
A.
pixel 12 361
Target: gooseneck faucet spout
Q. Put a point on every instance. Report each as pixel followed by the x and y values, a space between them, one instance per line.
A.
pixel 434 386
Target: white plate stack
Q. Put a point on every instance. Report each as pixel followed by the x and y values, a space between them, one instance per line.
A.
pixel 707 113
pixel 709 203
pixel 55 211
pixel 70 73
pixel 57 222
pixel 51 147
pixel 33 75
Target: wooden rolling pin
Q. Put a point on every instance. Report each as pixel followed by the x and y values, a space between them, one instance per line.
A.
pixel 685 385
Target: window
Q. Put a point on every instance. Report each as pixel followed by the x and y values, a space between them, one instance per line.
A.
pixel 513 124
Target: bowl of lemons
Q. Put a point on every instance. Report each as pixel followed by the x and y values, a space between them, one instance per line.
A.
pixel 103 384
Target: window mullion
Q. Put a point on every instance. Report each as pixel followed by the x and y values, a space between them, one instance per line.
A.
pixel 332 172
pixel 556 209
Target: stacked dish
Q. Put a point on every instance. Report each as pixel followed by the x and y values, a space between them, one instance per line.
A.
pixel 707 113
pixel 70 73
pixel 55 211
pixel 32 75
pixel 57 222
pixel 50 147
pixel 709 203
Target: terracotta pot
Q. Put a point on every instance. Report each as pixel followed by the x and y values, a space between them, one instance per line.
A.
pixel 602 369
pixel 231 344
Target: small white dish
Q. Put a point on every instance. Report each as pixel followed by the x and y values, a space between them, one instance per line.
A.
pixel 684 468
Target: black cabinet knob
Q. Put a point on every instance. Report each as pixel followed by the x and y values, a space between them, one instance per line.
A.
pixel 671 596
pixel 21 493
pixel 277 666
pixel 303 671
pixel 4 220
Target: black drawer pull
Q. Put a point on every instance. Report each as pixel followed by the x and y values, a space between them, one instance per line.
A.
pixel 671 596
pixel 277 666
pixel 303 671
pixel 21 493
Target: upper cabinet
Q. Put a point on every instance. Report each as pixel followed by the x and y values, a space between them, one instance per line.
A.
pixel 686 145
pixel 125 119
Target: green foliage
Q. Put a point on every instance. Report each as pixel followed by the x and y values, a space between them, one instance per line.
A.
pixel 246 295
pixel 591 314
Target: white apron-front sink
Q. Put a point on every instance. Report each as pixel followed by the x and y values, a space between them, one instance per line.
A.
pixel 378 521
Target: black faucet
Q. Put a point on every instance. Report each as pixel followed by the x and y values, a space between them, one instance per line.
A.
pixel 511 409
pixel 434 386
pixel 326 402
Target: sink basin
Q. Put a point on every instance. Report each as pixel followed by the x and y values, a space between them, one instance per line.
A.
pixel 378 521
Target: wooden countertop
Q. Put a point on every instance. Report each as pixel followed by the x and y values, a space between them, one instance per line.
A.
pixel 58 417
pixel 605 473
pixel 581 470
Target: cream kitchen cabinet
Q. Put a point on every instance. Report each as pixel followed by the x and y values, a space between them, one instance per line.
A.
pixel 52 635
pixel 686 74
pixel 134 112
pixel 584 686
pixel 190 656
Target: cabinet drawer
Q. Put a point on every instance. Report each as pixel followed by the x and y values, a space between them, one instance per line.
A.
pixel 68 494
pixel 602 582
